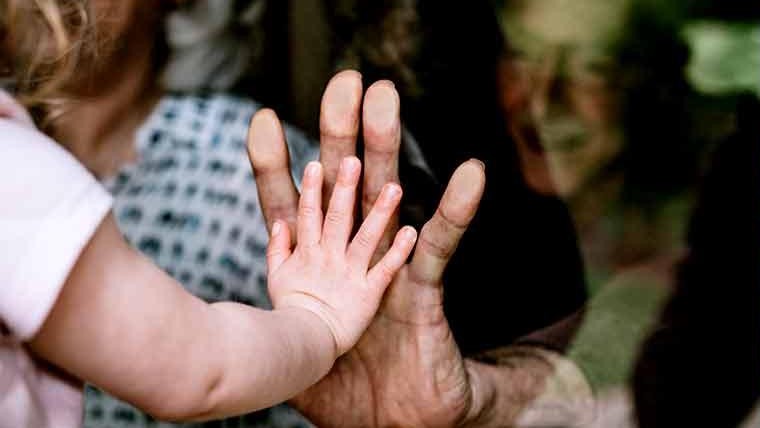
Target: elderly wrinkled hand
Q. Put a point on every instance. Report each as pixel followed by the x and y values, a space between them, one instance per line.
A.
pixel 406 370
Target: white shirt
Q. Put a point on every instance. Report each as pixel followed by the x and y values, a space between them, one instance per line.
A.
pixel 49 208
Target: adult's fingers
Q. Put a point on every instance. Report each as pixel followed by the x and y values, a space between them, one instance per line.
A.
pixel 441 234
pixel 339 124
pixel 382 140
pixel 278 249
pixel 268 154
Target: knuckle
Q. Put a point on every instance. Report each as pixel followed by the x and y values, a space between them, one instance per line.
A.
pixel 386 271
pixel 335 217
pixel 337 129
pixel 344 183
pixel 382 139
pixel 309 252
pixel 280 211
pixel 274 251
pixel 363 239
pixel 267 165
pixel 309 210
pixel 449 221
pixel 433 244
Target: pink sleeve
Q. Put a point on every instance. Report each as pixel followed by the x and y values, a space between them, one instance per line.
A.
pixel 49 208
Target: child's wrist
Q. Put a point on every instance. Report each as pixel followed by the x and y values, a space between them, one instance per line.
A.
pixel 315 331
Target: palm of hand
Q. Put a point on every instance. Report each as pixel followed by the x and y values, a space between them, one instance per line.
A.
pixel 328 286
pixel 326 274
pixel 408 339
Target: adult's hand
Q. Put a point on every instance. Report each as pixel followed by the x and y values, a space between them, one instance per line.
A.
pixel 406 369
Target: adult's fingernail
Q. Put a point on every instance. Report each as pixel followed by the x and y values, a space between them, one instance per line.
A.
pixel 382 104
pixel 478 163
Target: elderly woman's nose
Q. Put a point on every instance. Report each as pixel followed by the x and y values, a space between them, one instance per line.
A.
pixel 550 87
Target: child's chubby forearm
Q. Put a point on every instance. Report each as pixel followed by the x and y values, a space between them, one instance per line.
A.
pixel 124 325
pixel 267 356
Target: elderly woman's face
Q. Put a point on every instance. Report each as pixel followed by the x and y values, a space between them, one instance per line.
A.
pixel 558 87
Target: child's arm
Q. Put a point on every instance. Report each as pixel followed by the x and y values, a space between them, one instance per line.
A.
pixel 124 325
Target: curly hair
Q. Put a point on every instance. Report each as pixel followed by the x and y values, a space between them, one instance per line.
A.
pixel 41 42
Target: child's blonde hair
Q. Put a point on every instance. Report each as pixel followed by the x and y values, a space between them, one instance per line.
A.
pixel 40 44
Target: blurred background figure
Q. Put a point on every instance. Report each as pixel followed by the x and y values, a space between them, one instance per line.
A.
pixel 618 107
pixel 597 101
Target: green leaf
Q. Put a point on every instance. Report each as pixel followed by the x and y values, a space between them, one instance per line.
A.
pixel 725 57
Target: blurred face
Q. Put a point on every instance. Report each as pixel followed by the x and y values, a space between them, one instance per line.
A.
pixel 559 89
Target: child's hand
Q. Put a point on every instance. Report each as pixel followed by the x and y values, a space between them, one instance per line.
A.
pixel 326 274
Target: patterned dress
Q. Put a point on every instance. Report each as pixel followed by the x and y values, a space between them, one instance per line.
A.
pixel 190 204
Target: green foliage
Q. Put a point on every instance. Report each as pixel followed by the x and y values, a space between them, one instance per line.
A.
pixel 725 57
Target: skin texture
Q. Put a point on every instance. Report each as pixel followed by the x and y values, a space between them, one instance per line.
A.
pixel 409 338
pixel 324 292
pixel 406 370
pixel 115 111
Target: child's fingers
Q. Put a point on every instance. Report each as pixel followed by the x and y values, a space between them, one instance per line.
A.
pixel 309 223
pixel 371 231
pixel 383 272
pixel 340 213
pixel 279 245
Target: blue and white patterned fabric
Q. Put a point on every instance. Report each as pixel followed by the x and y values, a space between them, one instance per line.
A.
pixel 190 204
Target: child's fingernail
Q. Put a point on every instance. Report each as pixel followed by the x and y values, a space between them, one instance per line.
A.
pixel 348 165
pixel 312 168
pixel 392 191
pixel 276 227
pixel 409 233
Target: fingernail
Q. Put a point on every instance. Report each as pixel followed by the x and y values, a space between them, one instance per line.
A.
pixel 312 168
pixel 383 105
pixel 409 233
pixel 392 191
pixel 276 227
pixel 479 163
pixel 348 165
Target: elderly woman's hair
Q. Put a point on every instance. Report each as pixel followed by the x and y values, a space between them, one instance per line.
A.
pixel 41 41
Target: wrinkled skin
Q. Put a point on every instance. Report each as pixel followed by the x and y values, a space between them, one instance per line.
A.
pixel 406 370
